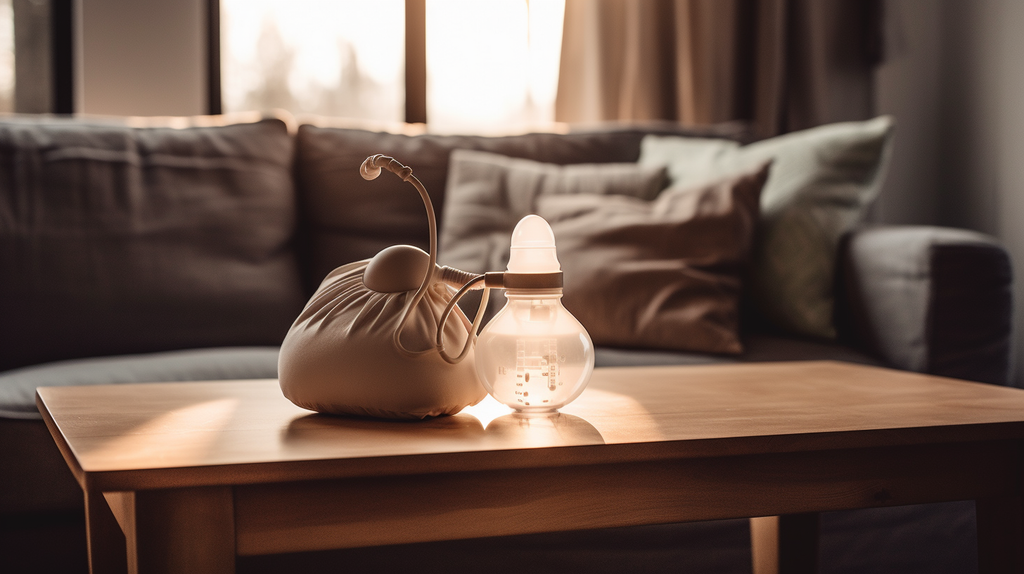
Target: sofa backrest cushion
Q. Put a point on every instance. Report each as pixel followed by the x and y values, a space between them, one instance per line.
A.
pixel 118 240
pixel 347 218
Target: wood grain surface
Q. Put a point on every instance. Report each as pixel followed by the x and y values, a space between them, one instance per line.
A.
pixel 356 512
pixel 181 477
pixel 164 435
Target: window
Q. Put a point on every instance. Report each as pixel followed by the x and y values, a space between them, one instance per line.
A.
pixel 36 56
pixel 491 66
pixel 329 57
pixel 6 56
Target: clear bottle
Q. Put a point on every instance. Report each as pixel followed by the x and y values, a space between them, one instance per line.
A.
pixel 534 356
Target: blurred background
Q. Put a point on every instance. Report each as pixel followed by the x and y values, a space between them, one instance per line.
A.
pixel 949 71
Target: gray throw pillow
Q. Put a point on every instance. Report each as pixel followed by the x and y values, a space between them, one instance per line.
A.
pixel 488 194
pixel 118 240
pixel 822 182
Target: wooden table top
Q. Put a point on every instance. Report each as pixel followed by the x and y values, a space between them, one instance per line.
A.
pixel 130 437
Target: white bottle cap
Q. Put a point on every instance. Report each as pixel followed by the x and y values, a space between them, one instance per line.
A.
pixel 533 247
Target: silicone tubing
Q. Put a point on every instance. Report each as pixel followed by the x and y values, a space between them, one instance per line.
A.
pixel 371 169
pixel 476 320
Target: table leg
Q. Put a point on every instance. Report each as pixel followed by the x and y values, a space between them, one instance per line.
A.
pixel 785 544
pixel 1000 535
pixel 106 542
pixel 188 530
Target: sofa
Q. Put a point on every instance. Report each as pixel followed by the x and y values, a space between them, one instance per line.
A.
pixel 142 250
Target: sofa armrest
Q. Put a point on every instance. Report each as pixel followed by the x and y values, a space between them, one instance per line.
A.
pixel 929 299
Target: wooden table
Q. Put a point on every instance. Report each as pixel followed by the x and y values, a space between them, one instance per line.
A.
pixel 182 477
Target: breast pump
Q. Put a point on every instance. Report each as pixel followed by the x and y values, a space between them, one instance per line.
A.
pixel 373 340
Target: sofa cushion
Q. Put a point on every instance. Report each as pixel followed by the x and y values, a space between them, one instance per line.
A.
pixel 822 181
pixel 662 274
pixel 348 218
pixel 118 240
pixel 930 299
pixel 18 387
pixel 757 348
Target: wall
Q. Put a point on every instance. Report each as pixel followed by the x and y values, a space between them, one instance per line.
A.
pixel 907 86
pixel 33 92
pixel 141 57
pixel 954 80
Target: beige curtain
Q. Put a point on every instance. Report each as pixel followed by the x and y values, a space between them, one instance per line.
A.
pixel 780 65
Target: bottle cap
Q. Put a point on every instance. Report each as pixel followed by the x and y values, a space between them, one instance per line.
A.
pixel 533 247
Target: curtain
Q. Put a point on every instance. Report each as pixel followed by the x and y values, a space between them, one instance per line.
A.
pixel 780 65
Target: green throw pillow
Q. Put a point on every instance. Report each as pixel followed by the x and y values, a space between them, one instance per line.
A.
pixel 821 184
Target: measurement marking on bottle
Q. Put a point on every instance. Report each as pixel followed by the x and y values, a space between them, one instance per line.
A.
pixel 537 359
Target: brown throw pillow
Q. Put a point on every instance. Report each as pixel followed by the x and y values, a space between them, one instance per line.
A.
pixel 658 274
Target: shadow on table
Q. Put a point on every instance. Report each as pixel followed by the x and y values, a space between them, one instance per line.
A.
pixel 548 429
pixel 512 430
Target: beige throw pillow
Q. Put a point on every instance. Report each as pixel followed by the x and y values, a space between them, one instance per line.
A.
pixel 821 184
pixel 658 274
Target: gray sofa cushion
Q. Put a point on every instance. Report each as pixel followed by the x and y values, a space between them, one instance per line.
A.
pixel 930 299
pixel 758 348
pixel 18 387
pixel 351 219
pixel 118 240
